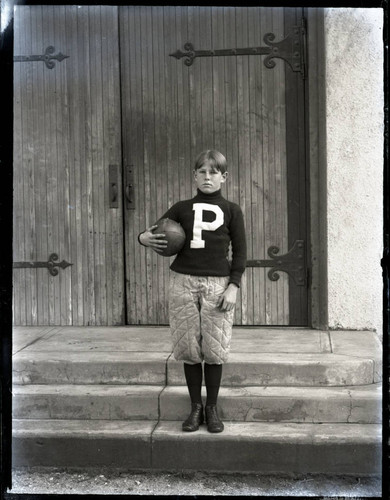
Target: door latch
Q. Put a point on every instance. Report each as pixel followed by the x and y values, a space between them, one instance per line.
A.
pixel 129 187
pixel 113 185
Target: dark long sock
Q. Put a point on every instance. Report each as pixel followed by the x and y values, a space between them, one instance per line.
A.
pixel 193 374
pixel 212 376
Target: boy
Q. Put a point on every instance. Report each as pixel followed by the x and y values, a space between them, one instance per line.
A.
pixel 203 285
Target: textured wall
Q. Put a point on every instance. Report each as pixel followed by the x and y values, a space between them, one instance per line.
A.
pixel 354 149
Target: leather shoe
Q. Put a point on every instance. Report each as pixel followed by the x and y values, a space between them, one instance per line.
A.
pixel 195 419
pixel 214 424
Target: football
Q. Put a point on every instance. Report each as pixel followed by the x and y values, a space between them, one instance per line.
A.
pixel 174 234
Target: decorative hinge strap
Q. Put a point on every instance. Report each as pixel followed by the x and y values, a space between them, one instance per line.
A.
pixel 47 57
pixel 292 263
pixel 291 49
pixel 50 264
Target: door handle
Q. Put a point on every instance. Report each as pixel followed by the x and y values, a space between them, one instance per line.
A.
pixel 113 185
pixel 128 193
pixel 129 188
pixel 114 192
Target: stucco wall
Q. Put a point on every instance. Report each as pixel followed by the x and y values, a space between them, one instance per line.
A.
pixel 354 151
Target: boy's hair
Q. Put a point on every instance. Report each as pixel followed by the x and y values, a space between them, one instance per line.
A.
pixel 214 158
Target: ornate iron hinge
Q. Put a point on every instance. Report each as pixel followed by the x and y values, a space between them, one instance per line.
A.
pixel 47 57
pixel 292 263
pixel 291 49
pixel 50 264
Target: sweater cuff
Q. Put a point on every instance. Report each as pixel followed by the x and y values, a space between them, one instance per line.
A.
pixel 139 241
pixel 234 283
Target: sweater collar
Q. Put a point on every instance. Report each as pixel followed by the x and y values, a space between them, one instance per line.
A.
pixel 208 196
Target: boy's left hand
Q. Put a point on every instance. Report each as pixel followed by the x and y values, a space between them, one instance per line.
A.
pixel 227 300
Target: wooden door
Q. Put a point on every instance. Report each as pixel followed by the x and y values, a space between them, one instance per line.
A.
pixel 67 132
pixel 174 107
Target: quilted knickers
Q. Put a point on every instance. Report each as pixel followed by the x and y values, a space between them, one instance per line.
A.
pixel 200 330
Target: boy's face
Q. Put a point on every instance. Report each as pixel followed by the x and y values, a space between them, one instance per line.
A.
pixel 208 179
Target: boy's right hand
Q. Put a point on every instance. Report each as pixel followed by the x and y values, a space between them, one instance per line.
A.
pixel 153 240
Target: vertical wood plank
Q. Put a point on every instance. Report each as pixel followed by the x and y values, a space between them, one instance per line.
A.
pixel 165 70
pixel 24 275
pixel 195 85
pixel 188 155
pixel 106 140
pixel 159 128
pixel 28 195
pixel 57 188
pixel 90 89
pixel 182 108
pixel 19 306
pixel 143 223
pixel 280 159
pixel 85 162
pixel 114 219
pixel 36 195
pixel 262 177
pixel 272 171
pixel 75 147
pixel 255 154
pixel 143 168
pixel 96 136
pixel 266 178
pixel 114 260
pixel 146 219
pixel 89 243
pixel 64 173
pixel 205 79
pixel 129 132
pixel 151 151
pixel 93 179
pixel 243 156
pixel 102 170
pixel 218 95
pixel 157 182
pixel 54 187
pixel 146 79
pixel 48 129
pixel 68 309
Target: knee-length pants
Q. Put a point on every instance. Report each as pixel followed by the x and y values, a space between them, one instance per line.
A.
pixel 200 330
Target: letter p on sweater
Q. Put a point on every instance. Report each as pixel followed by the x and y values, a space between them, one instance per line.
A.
pixel 200 225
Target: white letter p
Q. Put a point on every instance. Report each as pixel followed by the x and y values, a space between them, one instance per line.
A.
pixel 200 225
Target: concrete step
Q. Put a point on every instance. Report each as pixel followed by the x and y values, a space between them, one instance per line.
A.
pixel 158 339
pixel 83 367
pixel 243 446
pixel 287 369
pixel 89 402
pixel 155 368
pixel 82 443
pixel 352 404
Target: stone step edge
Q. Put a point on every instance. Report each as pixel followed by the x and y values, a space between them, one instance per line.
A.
pixel 351 404
pixel 166 356
pixel 69 428
pixel 170 371
pixel 247 447
pixel 166 390
pixel 171 403
pixel 49 388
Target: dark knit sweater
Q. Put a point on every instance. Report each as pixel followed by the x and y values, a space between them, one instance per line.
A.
pixel 210 223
